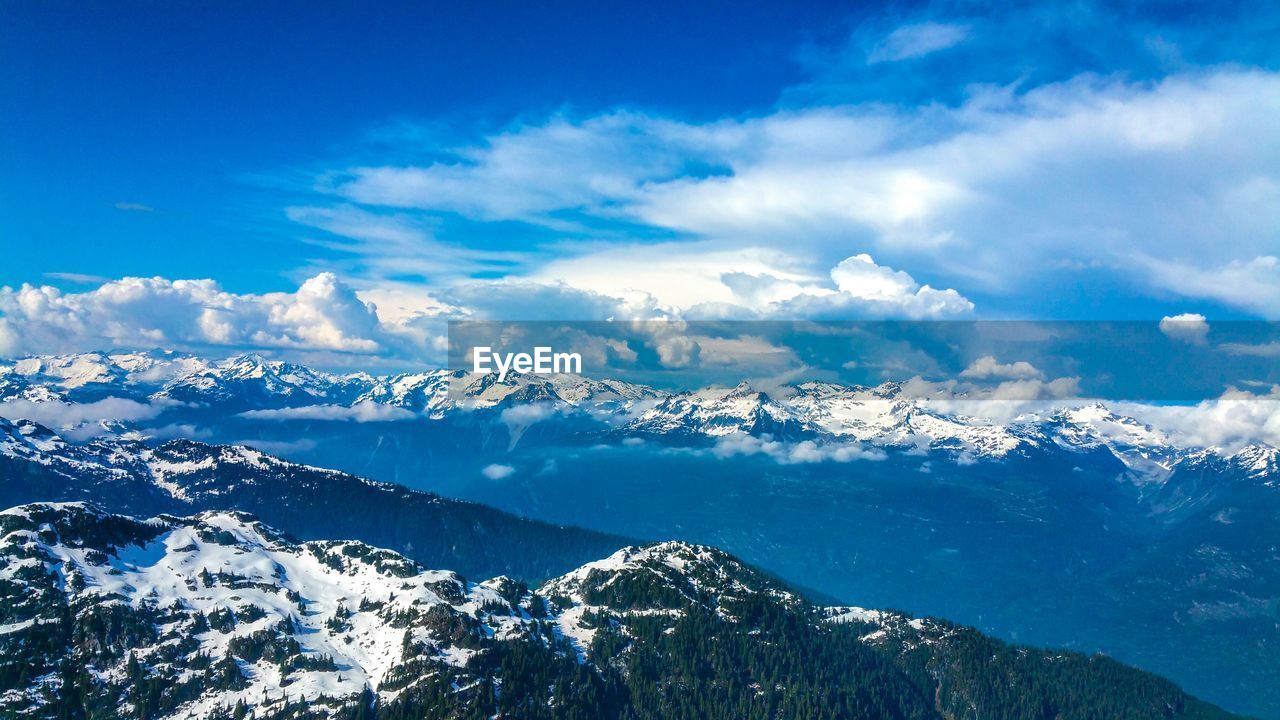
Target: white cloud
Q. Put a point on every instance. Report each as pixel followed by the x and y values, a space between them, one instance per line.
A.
pixel 134 207
pixel 62 415
pixel 1235 419
pixel 674 274
pixel 793 453
pixel 700 282
pixel 1187 327
pixel 1168 187
pixel 988 367
pixel 1000 403
pixel 324 314
pixel 917 40
pixel 77 277
pixel 280 447
pixel 516 299
pixel 497 472
pixel 679 351
pixel 329 323
pixel 506 177
pixel 1267 350
pixel 519 418
pixel 395 244
pixel 1252 284
pixel 323 319
pixel 865 289
pixel 361 412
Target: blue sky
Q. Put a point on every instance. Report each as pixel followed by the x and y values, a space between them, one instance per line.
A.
pixel 333 178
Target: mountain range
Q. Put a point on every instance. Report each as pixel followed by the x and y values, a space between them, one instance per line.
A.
pixel 887 415
pixel 218 615
pixel 1071 526
pixel 182 476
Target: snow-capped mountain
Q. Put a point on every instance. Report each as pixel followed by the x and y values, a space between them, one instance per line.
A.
pixel 255 382
pixel 185 393
pixel 217 615
pixel 224 610
pixel 183 476
pixel 857 491
pixel 252 382
pixel 716 412
pixel 84 375
pixel 688 574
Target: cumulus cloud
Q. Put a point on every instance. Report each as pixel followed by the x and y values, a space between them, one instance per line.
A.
pixel 497 472
pixel 1231 421
pixel 361 412
pixel 1001 402
pixel 676 275
pixel 865 289
pixel 327 317
pixel 843 211
pixel 323 314
pixel 917 40
pixel 701 282
pixel 793 453
pixel 988 367
pixel 1188 327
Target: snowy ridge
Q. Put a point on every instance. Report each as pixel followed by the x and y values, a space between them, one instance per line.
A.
pixel 886 625
pixel 231 612
pixel 185 389
pixel 217 615
pixel 324 619
pixel 674 575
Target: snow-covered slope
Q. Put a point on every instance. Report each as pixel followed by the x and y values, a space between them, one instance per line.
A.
pixel 715 412
pixel 217 615
pixel 676 574
pixel 227 611
pixel 234 610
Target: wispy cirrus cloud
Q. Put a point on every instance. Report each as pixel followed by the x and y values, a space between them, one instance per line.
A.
pixel 917 40
pixel 1158 188
pixel 1252 284
pixel 134 207
pixel 82 278
pixel 396 244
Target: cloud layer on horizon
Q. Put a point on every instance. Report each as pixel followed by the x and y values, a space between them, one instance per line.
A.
pixel 328 316
pixel 1167 188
